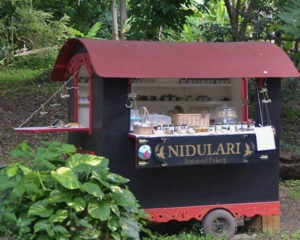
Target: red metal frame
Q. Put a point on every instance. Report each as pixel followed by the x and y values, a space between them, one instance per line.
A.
pixel 198 212
pixel 245 99
pixel 74 65
pixel 49 129
pixel 76 105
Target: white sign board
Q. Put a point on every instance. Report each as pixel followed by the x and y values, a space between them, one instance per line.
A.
pixel 265 138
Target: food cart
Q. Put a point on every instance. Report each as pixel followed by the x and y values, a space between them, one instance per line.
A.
pixel 193 152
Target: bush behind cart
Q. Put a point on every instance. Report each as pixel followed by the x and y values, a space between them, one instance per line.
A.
pixel 66 195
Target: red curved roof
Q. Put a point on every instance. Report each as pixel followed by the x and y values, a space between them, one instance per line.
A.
pixel 140 59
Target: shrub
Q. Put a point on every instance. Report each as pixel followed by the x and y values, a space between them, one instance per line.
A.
pixel 66 195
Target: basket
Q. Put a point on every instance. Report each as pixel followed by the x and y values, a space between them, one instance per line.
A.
pixel 143 130
pixel 192 119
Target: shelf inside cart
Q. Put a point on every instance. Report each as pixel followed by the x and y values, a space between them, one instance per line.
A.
pixel 51 129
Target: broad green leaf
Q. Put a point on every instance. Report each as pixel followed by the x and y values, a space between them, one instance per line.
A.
pixel 130 227
pixel 41 226
pixel 85 223
pixel 116 178
pixel 75 32
pixel 66 177
pixel 60 216
pixel 60 229
pixel 12 171
pixel 92 189
pixel 113 224
pixel 116 236
pixel 89 234
pixel 24 146
pixel 101 175
pixel 25 221
pixel 123 199
pixel 25 170
pixel 115 209
pixel 10 216
pixel 58 196
pixel 40 208
pixel 78 204
pixel 99 211
pixel 50 231
pixel 92 160
pixel 116 189
pixel 68 148
pixel 94 30
pixel 6 182
pixel 19 190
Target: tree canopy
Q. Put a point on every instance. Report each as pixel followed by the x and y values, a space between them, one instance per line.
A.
pixel 41 23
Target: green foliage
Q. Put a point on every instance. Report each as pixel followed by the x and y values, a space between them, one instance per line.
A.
pixel 290 15
pixel 148 17
pixel 66 195
pixel 21 25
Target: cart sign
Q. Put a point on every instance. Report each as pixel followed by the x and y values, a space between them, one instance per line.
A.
pixel 203 150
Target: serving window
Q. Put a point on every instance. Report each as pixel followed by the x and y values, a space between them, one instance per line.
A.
pixel 187 101
pixel 77 90
pixel 177 122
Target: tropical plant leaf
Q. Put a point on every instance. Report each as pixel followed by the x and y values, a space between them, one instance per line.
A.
pixel 58 196
pixel 130 227
pixel 114 208
pixel 12 171
pixel 41 226
pixel 60 216
pixel 41 209
pixel 66 177
pixel 60 229
pixel 116 178
pixel 85 223
pixel 68 148
pixel 25 170
pixel 99 211
pixel 94 30
pixel 113 224
pixel 19 190
pixel 78 204
pixel 92 189
pixel 124 198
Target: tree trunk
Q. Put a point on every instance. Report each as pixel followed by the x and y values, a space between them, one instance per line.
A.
pixel 115 32
pixel 123 17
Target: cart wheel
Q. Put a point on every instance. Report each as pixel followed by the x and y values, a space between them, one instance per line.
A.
pixel 219 223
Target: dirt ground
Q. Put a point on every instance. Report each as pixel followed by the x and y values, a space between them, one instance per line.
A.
pixel 16 105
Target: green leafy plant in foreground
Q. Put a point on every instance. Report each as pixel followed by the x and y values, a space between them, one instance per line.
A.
pixel 65 195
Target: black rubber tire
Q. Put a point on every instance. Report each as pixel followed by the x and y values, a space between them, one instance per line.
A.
pixel 219 223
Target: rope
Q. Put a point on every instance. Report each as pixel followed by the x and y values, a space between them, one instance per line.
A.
pixel 48 100
pixel 259 105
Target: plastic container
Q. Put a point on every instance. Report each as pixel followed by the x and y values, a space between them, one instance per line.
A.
pixel 225 115
pixel 158 119
pixel 135 116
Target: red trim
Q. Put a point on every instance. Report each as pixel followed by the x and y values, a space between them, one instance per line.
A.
pixel 48 129
pixel 91 105
pixel 76 98
pixel 245 99
pixel 84 151
pixel 198 212
pixel 74 65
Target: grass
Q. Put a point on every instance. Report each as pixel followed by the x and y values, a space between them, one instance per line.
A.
pixel 293 187
pixel 182 236
pixel 12 77
pixel 27 70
